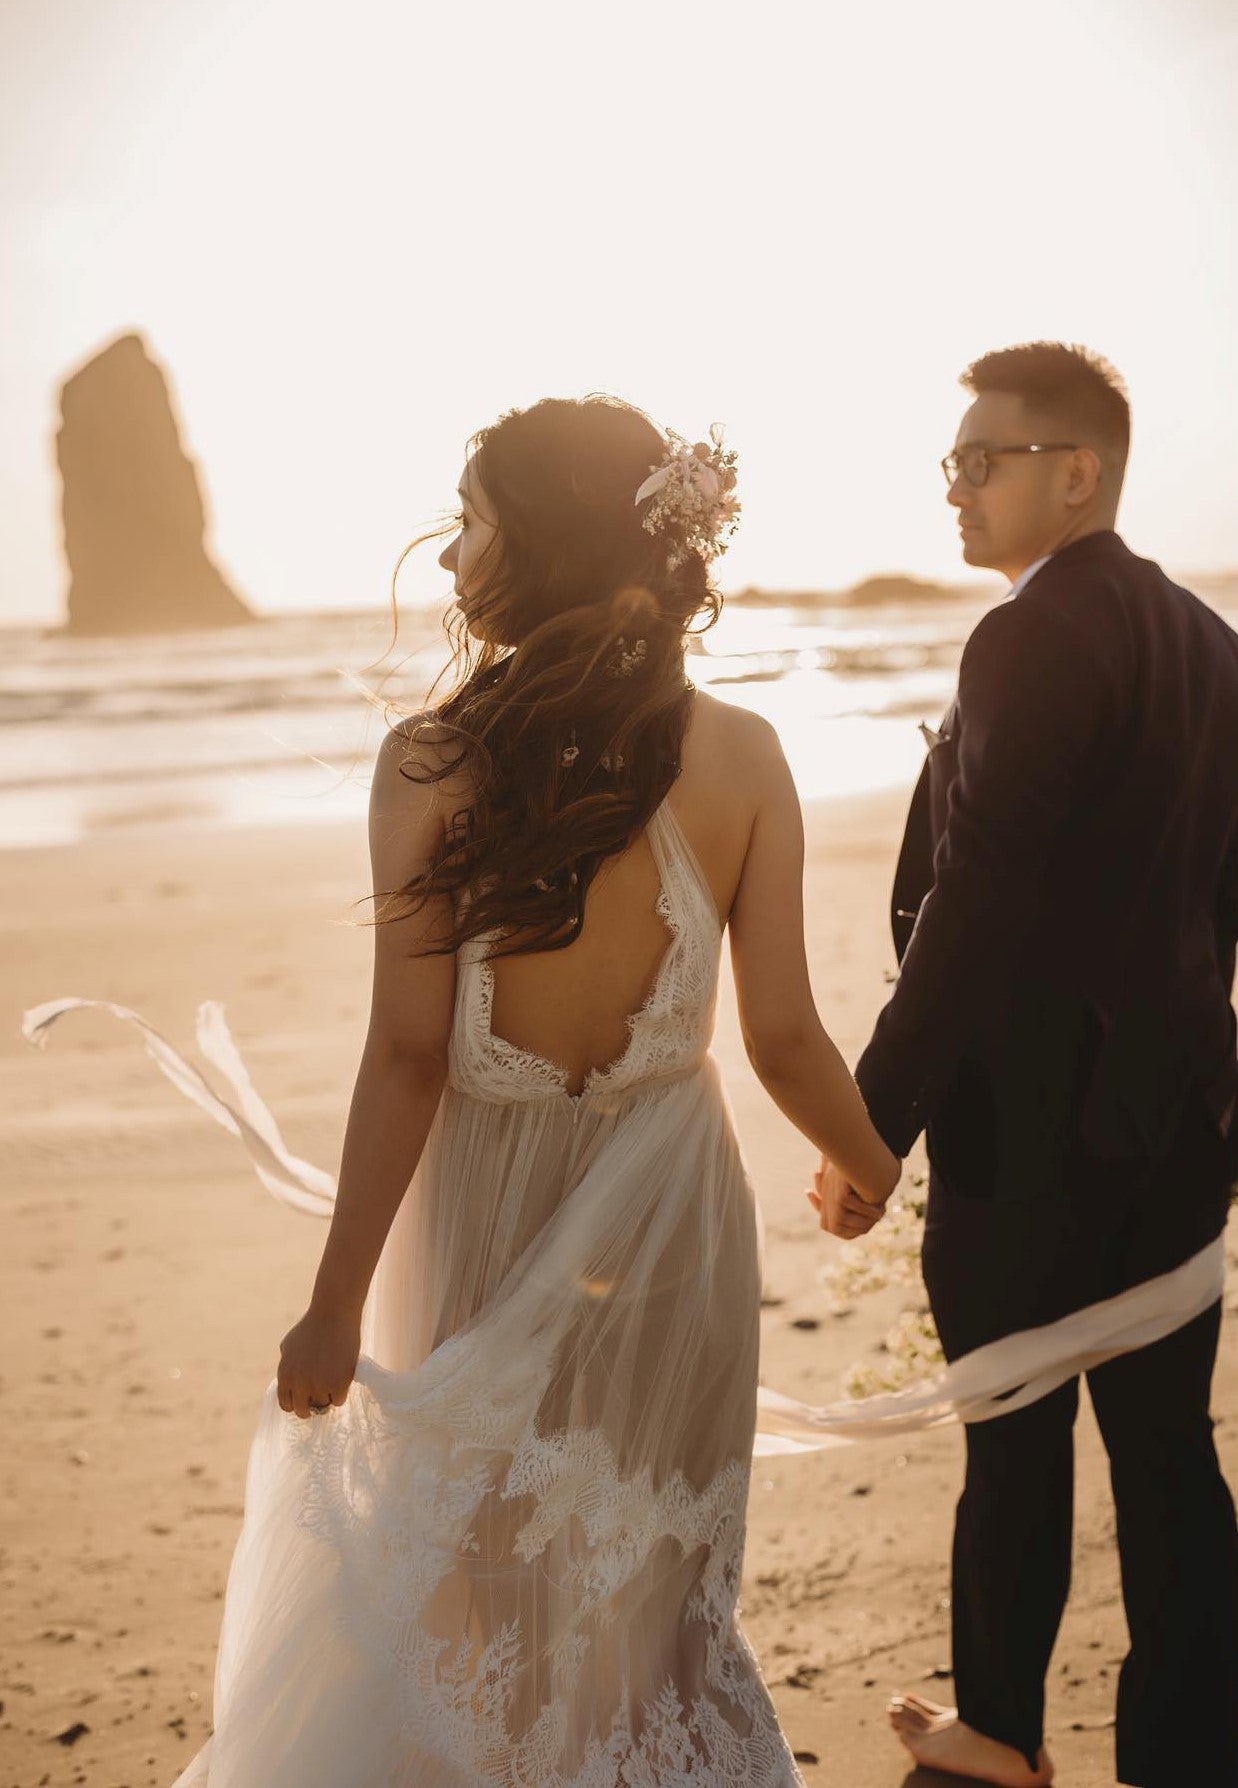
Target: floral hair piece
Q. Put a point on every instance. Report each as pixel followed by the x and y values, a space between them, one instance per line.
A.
pixel 691 497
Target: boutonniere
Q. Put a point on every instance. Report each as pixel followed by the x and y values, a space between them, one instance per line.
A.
pixel 931 738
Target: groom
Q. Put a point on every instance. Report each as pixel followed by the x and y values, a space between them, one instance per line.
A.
pixel 1065 913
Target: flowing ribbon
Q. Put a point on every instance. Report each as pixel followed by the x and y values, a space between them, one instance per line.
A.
pixel 1008 1374
pixel 239 1111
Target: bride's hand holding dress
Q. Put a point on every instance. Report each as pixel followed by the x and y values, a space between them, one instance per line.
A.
pixel 317 1362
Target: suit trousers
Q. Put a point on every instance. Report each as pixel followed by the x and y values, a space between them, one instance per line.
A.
pixel 994 1265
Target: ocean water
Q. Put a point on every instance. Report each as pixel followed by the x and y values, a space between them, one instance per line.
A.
pixel 278 722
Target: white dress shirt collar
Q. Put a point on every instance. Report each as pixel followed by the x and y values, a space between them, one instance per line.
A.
pixel 1025 577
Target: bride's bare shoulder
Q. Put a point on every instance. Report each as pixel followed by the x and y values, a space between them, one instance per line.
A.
pixel 422 735
pixel 731 746
pixel 419 753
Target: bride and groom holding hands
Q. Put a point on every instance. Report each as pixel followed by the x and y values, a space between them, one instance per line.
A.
pixel 1065 911
pixel 505 1546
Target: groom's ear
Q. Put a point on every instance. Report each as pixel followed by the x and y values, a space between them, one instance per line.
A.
pixel 1084 476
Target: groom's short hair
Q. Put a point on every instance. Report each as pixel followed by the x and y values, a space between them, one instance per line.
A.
pixel 1076 391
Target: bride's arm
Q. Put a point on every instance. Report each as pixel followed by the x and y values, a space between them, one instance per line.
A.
pixel 787 1044
pixel 404 1061
pixel 398 1087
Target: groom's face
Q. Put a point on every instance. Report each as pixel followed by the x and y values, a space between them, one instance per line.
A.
pixel 1018 513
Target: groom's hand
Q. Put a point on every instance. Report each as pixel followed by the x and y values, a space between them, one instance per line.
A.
pixel 841 1209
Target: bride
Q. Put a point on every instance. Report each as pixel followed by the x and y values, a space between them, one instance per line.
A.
pixel 495 1507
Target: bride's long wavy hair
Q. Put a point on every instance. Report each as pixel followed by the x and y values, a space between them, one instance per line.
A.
pixel 569 704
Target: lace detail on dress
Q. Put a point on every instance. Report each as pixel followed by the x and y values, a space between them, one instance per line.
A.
pixel 576 1474
pixel 511 1558
pixel 525 1067
pixel 668 1034
pixel 405 1527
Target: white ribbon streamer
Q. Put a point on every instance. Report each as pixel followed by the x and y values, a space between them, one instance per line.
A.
pixel 1008 1374
pixel 291 1180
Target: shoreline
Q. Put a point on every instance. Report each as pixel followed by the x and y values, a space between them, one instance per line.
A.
pixel 867 754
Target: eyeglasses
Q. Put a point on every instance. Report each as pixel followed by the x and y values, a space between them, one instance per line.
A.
pixel 974 462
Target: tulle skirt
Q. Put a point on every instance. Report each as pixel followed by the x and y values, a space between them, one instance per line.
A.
pixel 513 1555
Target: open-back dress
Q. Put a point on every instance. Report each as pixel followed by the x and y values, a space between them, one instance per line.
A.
pixel 512 1556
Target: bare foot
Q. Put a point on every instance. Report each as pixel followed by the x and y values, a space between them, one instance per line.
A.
pixel 937 1738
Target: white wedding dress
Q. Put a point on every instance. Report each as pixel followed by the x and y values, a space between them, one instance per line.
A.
pixel 512 1556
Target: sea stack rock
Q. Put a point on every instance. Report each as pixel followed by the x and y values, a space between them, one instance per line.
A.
pixel 134 520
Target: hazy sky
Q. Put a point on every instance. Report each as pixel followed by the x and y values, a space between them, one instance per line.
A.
pixel 354 234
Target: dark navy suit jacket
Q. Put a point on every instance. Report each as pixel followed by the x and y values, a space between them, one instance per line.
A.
pixel 1066 901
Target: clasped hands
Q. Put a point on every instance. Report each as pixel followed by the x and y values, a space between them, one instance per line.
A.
pixel 843 1211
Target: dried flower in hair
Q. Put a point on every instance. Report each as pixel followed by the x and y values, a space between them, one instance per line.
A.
pixel 691 497
pixel 627 660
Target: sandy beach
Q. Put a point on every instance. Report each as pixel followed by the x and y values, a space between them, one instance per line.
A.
pixel 146 1279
